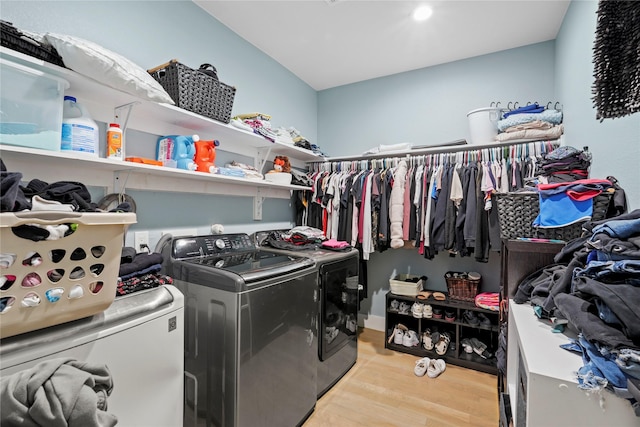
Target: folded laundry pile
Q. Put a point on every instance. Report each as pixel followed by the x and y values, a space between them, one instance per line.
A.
pixel 564 164
pixel 140 271
pixel 531 122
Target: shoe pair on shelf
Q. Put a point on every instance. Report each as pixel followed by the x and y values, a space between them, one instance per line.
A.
pixel 420 310
pixel 402 335
pixel 432 367
pixel 475 319
pixel 436 340
pixel 474 345
pixel 399 307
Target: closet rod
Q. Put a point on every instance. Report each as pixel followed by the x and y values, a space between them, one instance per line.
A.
pixel 429 150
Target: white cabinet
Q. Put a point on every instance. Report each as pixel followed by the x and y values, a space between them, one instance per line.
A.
pixel 111 105
pixel 541 380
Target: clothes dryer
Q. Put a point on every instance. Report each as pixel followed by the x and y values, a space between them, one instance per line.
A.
pixel 337 307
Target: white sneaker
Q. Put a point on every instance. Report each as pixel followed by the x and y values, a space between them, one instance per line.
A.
pixel 421 366
pixel 427 311
pixel 398 335
pixel 403 308
pixel 416 309
pixel 436 367
pixel 351 323
pixel 410 339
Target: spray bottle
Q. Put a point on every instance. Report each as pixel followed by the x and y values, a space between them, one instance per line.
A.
pixel 206 155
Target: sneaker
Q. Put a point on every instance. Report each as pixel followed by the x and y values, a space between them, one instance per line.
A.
pixel 403 308
pixel 427 311
pixel 416 309
pixel 470 317
pixel 397 334
pixel 410 339
pixel 421 366
pixel 436 367
pixel 394 305
pixel 484 320
pixel 437 313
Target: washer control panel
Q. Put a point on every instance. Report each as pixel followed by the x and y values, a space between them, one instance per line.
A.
pixel 210 245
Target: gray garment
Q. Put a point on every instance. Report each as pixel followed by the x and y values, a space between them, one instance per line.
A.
pixel 59 392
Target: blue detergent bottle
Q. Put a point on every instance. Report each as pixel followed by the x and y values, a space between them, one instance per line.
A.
pixel 177 151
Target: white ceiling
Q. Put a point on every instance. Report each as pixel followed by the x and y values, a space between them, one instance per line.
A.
pixel 329 43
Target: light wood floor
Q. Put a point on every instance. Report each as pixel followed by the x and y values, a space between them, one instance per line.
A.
pixel 382 390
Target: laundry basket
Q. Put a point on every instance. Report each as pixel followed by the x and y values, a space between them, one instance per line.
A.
pixel 48 282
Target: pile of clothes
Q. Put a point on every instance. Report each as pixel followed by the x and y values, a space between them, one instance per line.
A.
pixel 564 164
pixel 140 271
pixel 593 288
pixel 532 122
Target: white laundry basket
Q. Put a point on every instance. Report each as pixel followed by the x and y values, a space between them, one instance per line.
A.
pixel 483 124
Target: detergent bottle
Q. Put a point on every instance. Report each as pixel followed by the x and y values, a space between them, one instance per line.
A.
pixel 177 151
pixel 79 132
pixel 206 155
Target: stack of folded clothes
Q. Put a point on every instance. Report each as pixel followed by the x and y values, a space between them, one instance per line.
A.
pixel 564 164
pixel 532 122
pixel 140 271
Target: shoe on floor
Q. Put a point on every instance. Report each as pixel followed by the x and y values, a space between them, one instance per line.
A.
pixel 436 367
pixel 421 366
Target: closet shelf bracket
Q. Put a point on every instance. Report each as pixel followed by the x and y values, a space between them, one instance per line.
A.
pixel 121 114
pixel 258 200
pixel 261 159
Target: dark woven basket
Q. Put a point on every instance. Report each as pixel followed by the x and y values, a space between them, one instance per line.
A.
pixel 12 38
pixel 518 210
pixel 197 92
pixel 460 287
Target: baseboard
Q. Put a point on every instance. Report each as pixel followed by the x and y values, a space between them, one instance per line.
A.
pixel 372 322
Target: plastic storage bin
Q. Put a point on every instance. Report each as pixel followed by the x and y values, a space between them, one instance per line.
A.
pixel 30 106
pixel 48 282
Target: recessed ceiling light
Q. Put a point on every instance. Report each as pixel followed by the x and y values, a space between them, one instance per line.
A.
pixel 422 13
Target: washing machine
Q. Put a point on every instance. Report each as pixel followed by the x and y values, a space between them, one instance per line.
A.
pixel 338 304
pixel 139 338
pixel 250 331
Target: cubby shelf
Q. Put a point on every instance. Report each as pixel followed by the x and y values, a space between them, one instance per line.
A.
pixel 457 329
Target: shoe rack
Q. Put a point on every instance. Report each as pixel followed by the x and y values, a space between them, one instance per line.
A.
pixel 453 322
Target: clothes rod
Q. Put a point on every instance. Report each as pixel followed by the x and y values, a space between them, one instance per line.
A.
pixel 429 150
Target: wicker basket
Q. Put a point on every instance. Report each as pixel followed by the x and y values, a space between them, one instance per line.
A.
pixel 196 91
pixel 12 38
pixel 518 210
pixel 461 287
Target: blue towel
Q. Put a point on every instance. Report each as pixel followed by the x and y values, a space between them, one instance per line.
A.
pixel 533 108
